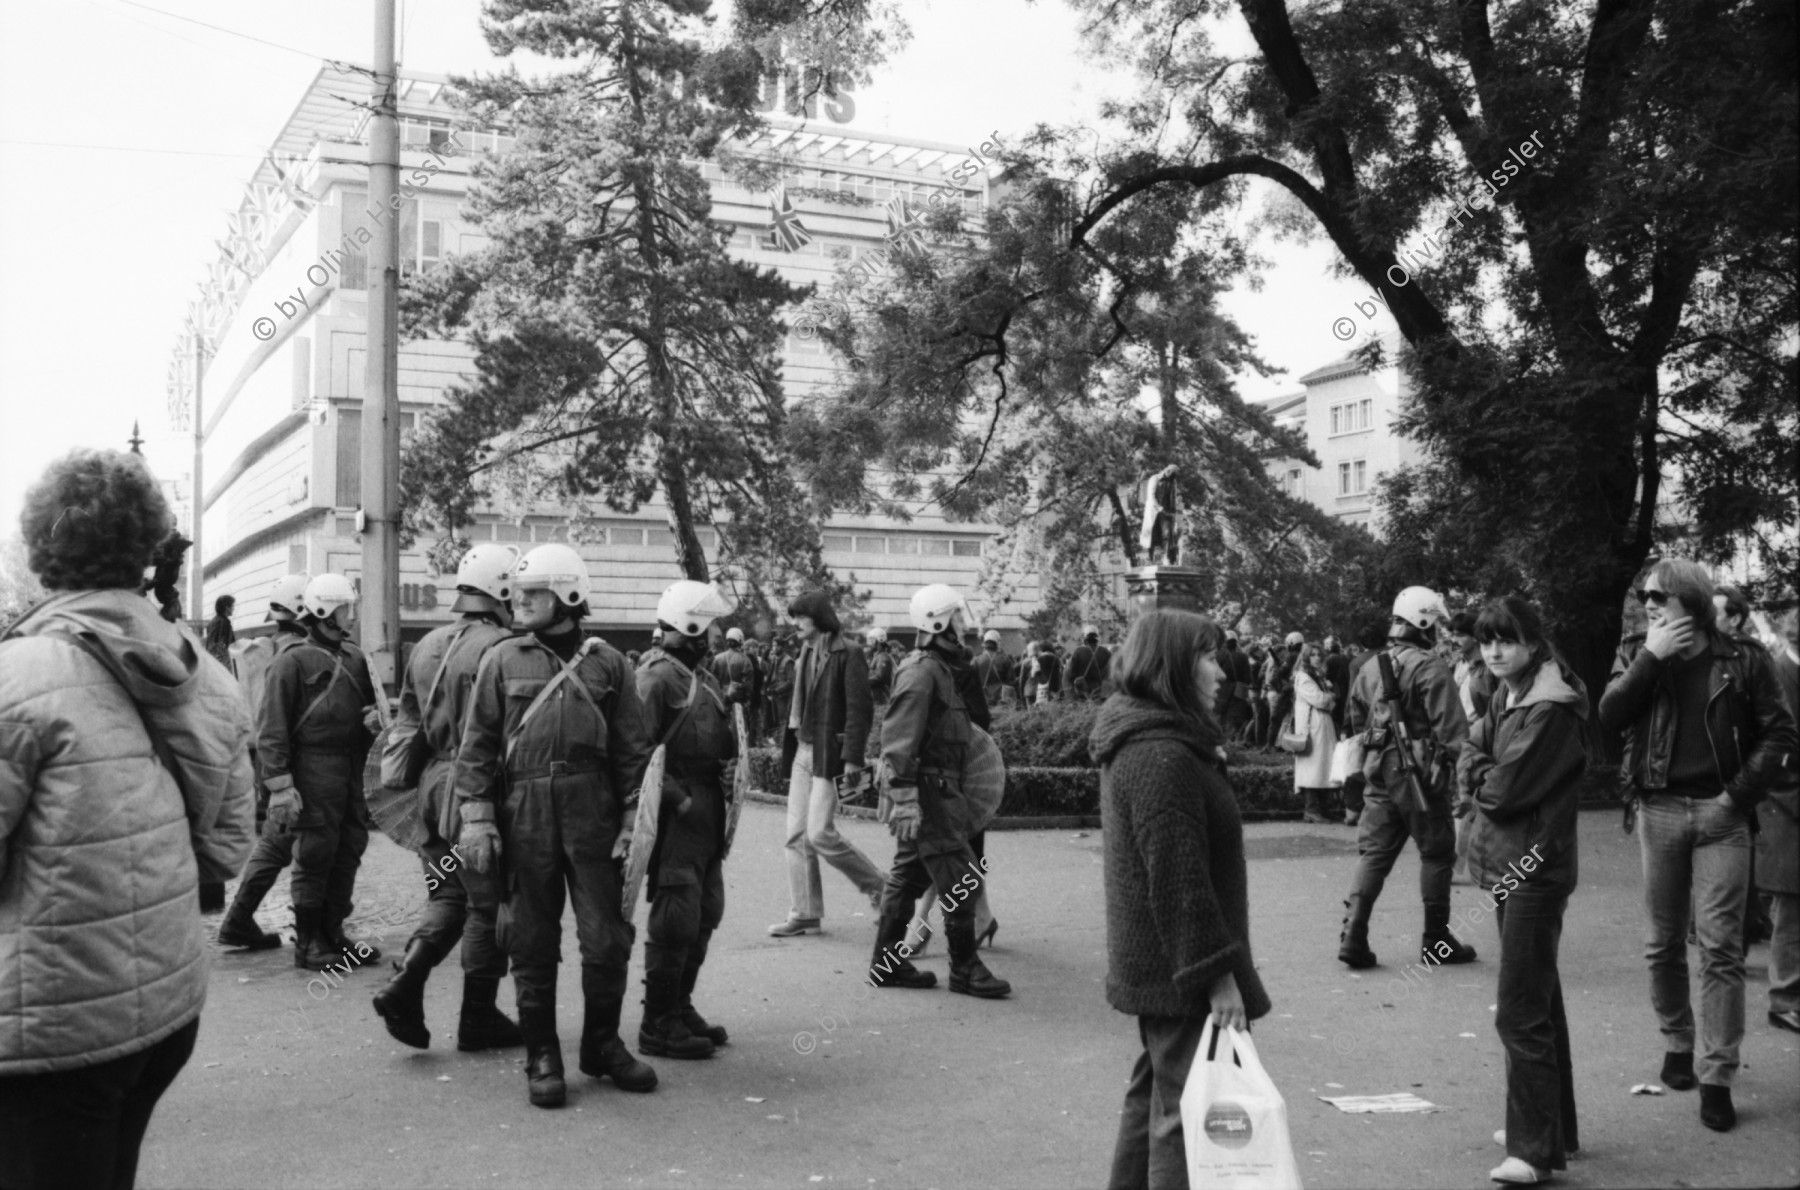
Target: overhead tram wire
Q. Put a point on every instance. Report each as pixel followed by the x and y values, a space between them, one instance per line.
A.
pixel 341 65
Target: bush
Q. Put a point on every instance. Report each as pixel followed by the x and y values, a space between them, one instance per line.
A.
pixel 1050 792
pixel 1052 736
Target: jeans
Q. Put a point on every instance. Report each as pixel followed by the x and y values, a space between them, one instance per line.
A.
pixel 1151 1153
pixel 811 833
pixel 1696 848
pixel 81 1129
pixel 1540 1078
pixel 1784 953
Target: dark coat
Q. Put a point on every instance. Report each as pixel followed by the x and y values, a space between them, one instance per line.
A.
pixel 1778 843
pixel 839 705
pixel 1523 765
pixel 1751 730
pixel 1177 891
pixel 925 737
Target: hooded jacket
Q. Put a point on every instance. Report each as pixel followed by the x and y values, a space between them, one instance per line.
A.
pixel 1523 765
pixel 1177 890
pixel 102 953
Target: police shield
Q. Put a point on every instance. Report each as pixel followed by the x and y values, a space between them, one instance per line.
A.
pixel 643 830
pixel 740 778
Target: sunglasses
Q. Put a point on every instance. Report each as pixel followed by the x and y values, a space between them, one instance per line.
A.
pixel 1646 596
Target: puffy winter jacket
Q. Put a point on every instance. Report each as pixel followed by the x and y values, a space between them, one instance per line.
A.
pixel 101 948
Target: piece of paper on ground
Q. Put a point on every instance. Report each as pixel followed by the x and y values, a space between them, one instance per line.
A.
pixel 1403 1101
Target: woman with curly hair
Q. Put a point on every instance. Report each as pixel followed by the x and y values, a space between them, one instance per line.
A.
pixel 124 782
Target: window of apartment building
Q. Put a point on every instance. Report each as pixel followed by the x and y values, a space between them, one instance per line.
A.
pixel 1295 485
pixel 1353 477
pixel 836 541
pixel 935 545
pixel 349 454
pixel 870 545
pixel 966 549
pixel 1352 417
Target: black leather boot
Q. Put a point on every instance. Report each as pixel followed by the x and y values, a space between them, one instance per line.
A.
pixel 311 951
pixel 1353 939
pixel 482 1026
pixel 1439 945
pixel 543 1058
pixel 664 1034
pixel 401 1000
pixel 239 929
pixel 968 974
pixel 690 975
pixel 1314 806
pixel 603 1053
pixel 891 967
pixel 212 896
pixel 355 950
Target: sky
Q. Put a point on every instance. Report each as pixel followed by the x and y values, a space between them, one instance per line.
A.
pixel 115 183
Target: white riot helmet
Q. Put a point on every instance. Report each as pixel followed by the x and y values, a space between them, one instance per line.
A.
pixel 689 607
pixel 556 568
pixel 1420 607
pixel 289 596
pixel 877 636
pixel 934 608
pixel 489 570
pixel 1294 640
pixel 990 637
pixel 1088 630
pixel 734 636
pixel 326 594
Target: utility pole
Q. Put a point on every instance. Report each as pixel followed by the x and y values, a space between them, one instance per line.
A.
pixel 381 397
pixel 196 608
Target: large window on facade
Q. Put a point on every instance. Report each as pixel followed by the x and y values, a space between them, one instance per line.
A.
pixel 1352 417
pixel 1353 477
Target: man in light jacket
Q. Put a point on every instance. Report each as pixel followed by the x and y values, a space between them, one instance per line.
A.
pixel 124 782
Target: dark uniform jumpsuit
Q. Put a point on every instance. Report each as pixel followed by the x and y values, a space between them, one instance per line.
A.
pixel 451 915
pixel 560 786
pixel 925 737
pixel 322 752
pixel 1434 717
pixel 1087 671
pixel 274 844
pixel 687 871
pixel 995 670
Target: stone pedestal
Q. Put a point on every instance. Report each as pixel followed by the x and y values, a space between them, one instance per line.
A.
pixel 1151 587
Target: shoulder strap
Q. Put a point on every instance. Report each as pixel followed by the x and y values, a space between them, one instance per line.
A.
pixel 165 756
pixel 437 678
pixel 337 671
pixel 687 708
pixel 562 675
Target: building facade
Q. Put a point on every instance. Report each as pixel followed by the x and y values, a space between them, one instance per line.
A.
pixel 281 328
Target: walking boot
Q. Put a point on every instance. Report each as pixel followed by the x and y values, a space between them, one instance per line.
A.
pixel 603 1054
pixel 212 896
pixel 1353 939
pixel 311 951
pixel 891 967
pixel 690 975
pixel 401 1001
pixel 355 950
pixel 664 1034
pixel 544 1084
pixel 968 974
pixel 1314 808
pixel 239 930
pixel 482 1026
pixel 1439 945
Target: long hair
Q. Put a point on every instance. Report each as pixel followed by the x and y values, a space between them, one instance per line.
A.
pixel 816 606
pixel 1510 618
pixel 1304 662
pixel 1688 582
pixel 1156 663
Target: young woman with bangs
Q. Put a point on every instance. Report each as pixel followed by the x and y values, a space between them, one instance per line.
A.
pixel 1523 767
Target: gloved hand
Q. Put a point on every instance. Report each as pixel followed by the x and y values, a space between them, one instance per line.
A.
pixel 622 845
pixel 903 822
pixel 479 843
pixel 899 808
pixel 284 803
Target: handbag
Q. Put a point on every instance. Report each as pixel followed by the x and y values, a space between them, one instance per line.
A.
pixel 1346 758
pixel 1233 1118
pixel 1292 741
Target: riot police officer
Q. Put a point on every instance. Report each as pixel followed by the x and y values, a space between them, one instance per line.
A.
pixel 274 844
pixel 925 737
pixel 318 720
pixel 994 668
pixel 1431 716
pixel 686 710
pixel 552 751
pixel 421 753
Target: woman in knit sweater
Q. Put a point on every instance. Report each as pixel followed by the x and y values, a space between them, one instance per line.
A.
pixel 1177 897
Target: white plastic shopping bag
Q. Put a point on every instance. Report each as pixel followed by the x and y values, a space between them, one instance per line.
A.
pixel 1233 1120
pixel 1346 758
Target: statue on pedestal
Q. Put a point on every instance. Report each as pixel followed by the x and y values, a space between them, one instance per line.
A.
pixel 1162 501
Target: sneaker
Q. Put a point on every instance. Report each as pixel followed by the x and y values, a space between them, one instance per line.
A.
pixel 1517 1172
pixel 793 927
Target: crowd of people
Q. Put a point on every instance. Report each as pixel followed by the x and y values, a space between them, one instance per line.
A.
pixel 533 767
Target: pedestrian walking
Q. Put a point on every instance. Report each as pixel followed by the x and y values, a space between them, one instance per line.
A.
pixel 553 748
pixel 1778 854
pixel 1236 716
pixel 219 634
pixel 460 907
pixel 318 721
pixel 125 781
pixel 688 711
pixel 828 729
pixel 1177 887
pixel 1088 666
pixel 1522 767
pixel 1406 706
pixel 1706 737
pixel 1313 702
pixel 274 849
pixel 925 741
